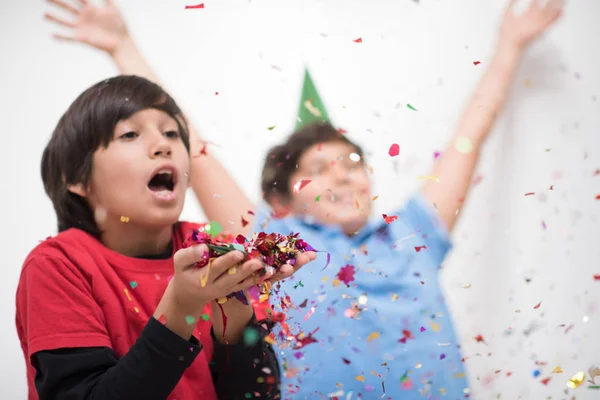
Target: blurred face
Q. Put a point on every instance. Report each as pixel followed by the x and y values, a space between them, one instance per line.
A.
pixel 140 179
pixel 339 191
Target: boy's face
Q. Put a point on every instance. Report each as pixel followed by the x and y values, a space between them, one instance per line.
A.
pixel 142 175
pixel 339 188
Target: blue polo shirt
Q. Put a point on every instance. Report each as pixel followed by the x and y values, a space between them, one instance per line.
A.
pixel 387 333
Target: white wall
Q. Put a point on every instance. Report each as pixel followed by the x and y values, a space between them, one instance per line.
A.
pixel 417 52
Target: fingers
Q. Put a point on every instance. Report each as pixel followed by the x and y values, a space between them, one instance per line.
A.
pixel 65 6
pixel 252 280
pixel 185 258
pixel 229 280
pixel 222 264
pixel 59 21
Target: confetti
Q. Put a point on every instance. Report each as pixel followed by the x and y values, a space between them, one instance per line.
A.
pixel 411 107
pixel 375 198
pixel 251 337
pixel 312 109
pixel 598 197
pixel 463 144
pixel 133 284
pixel 205 317
pixel 124 219
pixel 419 248
pixel 360 378
pixel 162 319
pixel 576 380
pixel 197 6
pixel 467 286
pixel 597 277
pixel 557 370
pixel 476 62
pixel 442 356
pixel 359 40
pixel 189 319
pixel 432 177
pixel 373 336
pixel 536 373
pixel 299 284
pixel 389 219
pixel 394 150
pixel 346 361
pixel 537 305
pixel 271 127
pixel 346 274
pixel 479 339
pixel 298 186
pixel 394 297
pixel 318 198
pixel 529 193
pixel 546 380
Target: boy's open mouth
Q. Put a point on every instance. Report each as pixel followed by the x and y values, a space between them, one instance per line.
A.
pixel 163 179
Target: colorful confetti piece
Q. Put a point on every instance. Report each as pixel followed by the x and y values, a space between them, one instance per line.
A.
pixel 189 319
pixel 576 380
pixel 389 219
pixel 557 370
pixel 464 144
pixel 411 107
pixel 394 150
pixel 537 305
pixel 133 284
pixel 298 186
pixel 124 219
pixel 359 40
pixel 373 336
pixel 197 6
pixel 476 62
pixel 346 274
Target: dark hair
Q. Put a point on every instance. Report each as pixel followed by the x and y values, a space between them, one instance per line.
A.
pixel 282 160
pixel 88 124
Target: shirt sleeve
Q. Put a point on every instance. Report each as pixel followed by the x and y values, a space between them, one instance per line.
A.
pixel 248 369
pixel 56 307
pixel 150 370
pixel 420 227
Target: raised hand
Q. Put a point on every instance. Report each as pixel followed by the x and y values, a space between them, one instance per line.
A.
pixel 523 28
pixel 101 27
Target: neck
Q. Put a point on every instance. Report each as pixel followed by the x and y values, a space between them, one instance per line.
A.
pixel 133 240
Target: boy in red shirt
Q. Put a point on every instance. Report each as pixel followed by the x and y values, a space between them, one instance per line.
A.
pixel 113 307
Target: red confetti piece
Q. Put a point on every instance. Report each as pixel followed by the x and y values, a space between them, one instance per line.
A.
pixel 251 212
pixel 301 185
pixel 394 150
pixel 197 6
pixel 244 222
pixel 551 187
pixel 479 339
pixel 598 197
pixel 346 361
pixel 389 219
pixel 546 380
pixel 597 277
pixel 346 274
pixel 476 62
pixel 216 93
pixel 419 248
pixel 537 305
pixel 341 131
pixel 529 194
pixel 359 40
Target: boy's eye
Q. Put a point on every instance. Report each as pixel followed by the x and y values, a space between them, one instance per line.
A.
pixel 172 134
pixel 129 135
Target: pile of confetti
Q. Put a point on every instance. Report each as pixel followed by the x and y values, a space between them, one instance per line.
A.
pixel 273 249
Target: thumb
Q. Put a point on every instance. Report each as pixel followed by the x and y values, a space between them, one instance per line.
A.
pixel 184 258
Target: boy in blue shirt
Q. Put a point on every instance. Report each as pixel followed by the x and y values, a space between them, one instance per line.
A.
pixel 374 323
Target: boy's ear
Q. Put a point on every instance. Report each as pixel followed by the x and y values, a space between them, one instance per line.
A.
pixel 78 189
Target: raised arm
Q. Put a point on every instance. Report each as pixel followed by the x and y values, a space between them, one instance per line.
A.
pixel 104 28
pixel 455 167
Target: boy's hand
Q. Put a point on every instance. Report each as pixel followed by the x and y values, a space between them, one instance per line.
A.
pixel 101 27
pixel 522 29
pixel 191 288
pixel 288 270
